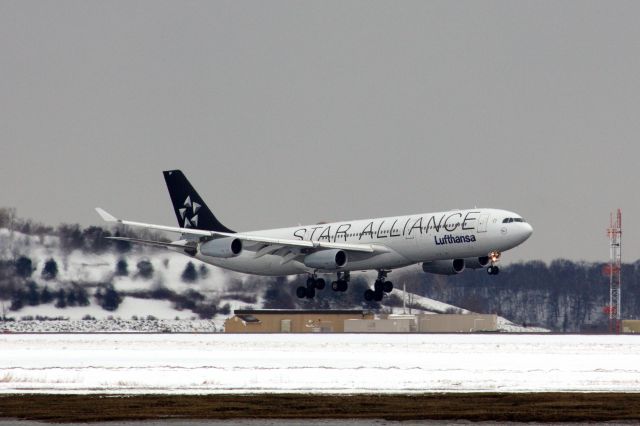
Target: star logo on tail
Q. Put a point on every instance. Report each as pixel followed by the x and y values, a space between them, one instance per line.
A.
pixel 189 213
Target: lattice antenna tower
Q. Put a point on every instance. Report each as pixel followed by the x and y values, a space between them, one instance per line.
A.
pixel 614 232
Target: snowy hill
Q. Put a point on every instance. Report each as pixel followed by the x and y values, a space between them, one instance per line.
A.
pixel 151 287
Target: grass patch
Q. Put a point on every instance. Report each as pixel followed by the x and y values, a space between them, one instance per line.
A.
pixel 530 407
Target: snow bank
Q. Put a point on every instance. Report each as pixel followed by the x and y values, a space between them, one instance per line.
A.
pixel 318 363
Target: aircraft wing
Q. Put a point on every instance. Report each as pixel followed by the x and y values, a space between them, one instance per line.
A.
pixel 366 248
pixel 176 244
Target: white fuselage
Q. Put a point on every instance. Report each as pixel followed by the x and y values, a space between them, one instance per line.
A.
pixel 402 240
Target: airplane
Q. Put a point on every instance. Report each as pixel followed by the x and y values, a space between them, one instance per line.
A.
pixel 444 243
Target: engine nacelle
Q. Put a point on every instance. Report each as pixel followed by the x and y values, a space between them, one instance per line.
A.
pixel 444 267
pixel 222 247
pixel 476 262
pixel 326 259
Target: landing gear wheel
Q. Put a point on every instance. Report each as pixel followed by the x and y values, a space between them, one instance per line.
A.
pixel 369 295
pixel 301 292
pixel 310 282
pixel 334 286
pixel 377 296
pixel 311 292
pixel 378 286
pixel 343 285
pixel 320 283
pixel 493 270
pixel 387 287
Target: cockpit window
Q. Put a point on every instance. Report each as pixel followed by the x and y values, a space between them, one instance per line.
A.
pixel 513 219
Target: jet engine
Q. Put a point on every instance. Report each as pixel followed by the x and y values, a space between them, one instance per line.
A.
pixel 222 247
pixel 444 267
pixel 326 259
pixel 476 262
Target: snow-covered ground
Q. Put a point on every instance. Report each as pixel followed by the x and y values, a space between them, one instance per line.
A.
pixel 318 363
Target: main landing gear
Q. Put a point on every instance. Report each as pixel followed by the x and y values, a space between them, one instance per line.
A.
pixel 342 283
pixel 313 283
pixel 494 257
pixel 380 287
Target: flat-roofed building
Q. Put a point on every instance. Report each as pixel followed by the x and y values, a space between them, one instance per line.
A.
pixel 457 323
pixel 631 326
pixel 291 321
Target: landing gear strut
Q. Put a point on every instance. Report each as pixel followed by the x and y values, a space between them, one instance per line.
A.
pixel 380 286
pixel 313 283
pixel 494 257
pixel 342 283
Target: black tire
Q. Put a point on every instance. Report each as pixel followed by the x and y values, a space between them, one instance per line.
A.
pixel 490 270
pixel 343 285
pixel 334 286
pixel 301 292
pixel 369 295
pixel 311 283
pixel 388 287
pixel 496 270
pixel 320 283
pixel 377 296
pixel 311 293
pixel 378 286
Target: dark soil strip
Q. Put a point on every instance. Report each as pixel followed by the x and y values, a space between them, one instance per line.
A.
pixel 530 407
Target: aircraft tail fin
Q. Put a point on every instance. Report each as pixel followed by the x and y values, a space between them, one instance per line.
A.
pixel 191 211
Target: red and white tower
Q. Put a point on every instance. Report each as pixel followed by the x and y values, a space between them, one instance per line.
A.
pixel 614 232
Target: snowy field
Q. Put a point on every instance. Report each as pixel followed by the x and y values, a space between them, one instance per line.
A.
pixel 322 363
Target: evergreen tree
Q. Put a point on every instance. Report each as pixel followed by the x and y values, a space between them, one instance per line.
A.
pixel 108 297
pixel 122 268
pixel 17 301
pixel 50 270
pixel 61 299
pixel 46 296
pixel 189 275
pixel 82 296
pixel 33 295
pixel 145 269
pixel 24 267
pixel 206 311
pixel 72 300
pixel 204 271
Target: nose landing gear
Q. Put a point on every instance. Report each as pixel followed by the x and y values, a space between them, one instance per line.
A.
pixel 380 286
pixel 494 257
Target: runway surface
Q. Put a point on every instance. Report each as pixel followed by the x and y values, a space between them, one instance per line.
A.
pixel 317 363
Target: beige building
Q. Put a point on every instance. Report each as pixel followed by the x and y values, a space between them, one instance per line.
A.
pixel 631 326
pixel 291 321
pixel 457 323
pixel 391 324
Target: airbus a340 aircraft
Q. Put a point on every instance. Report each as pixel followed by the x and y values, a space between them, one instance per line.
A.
pixel 445 242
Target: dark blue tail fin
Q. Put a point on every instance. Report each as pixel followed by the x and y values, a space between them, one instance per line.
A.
pixel 191 211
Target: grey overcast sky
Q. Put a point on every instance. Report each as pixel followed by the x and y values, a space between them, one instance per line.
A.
pixel 287 112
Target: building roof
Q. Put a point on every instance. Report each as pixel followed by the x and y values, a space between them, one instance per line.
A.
pixel 240 312
pixel 248 318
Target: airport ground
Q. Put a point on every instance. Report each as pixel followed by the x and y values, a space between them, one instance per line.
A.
pixel 475 407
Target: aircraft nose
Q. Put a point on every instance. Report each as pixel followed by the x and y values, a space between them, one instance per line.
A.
pixel 527 230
